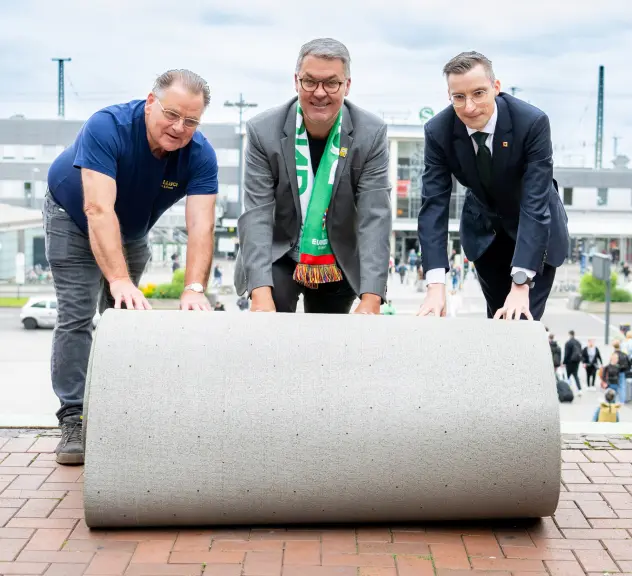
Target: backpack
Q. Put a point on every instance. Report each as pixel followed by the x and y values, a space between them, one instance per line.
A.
pixel 564 392
pixel 576 352
pixel 624 362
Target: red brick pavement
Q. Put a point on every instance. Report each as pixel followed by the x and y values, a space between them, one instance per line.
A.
pixel 42 530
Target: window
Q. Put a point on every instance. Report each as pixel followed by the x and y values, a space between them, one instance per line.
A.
pixel 52 304
pixel 30 152
pixel 568 196
pixel 39 305
pixel 602 196
pixel 9 152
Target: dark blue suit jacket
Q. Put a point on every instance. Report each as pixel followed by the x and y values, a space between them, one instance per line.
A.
pixel 524 200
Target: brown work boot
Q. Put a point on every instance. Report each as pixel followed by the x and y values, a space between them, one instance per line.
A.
pixel 70 447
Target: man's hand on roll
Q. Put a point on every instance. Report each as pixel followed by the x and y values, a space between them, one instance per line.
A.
pixel 124 291
pixel 516 304
pixel 434 303
pixel 262 300
pixel 369 304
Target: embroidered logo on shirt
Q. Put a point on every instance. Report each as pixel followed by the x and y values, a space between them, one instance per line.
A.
pixel 169 185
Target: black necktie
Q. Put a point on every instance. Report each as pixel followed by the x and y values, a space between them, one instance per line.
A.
pixel 483 160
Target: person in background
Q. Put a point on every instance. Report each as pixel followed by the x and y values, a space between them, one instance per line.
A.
pixel 624 368
pixel 608 410
pixel 175 265
pixel 591 359
pixel 626 343
pixel 609 374
pixel 572 359
pixel 556 353
pixel 217 276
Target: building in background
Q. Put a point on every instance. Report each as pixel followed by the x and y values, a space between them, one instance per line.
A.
pixel 598 202
pixel 27 149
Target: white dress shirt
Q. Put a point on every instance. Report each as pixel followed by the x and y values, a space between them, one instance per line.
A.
pixel 438 275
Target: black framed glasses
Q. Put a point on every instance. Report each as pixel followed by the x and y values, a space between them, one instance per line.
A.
pixel 329 86
pixel 174 117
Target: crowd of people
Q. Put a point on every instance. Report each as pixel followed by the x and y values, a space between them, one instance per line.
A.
pixel 612 376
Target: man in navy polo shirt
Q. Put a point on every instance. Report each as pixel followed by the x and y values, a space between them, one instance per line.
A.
pixel 128 165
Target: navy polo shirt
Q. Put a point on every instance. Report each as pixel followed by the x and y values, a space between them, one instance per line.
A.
pixel 114 142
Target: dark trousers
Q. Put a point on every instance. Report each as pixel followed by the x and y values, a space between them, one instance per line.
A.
pixel 494 275
pixel 330 298
pixel 79 286
pixel 572 369
pixel 591 372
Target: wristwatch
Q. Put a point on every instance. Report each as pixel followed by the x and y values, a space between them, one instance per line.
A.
pixel 520 278
pixel 195 287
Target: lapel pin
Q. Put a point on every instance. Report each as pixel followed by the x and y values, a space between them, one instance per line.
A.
pixel 343 152
pixel 505 144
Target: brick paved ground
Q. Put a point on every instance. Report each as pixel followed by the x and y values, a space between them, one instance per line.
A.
pixel 42 531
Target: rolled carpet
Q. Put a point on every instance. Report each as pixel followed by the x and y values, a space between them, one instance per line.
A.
pixel 208 419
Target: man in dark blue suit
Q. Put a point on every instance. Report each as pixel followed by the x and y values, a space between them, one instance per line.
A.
pixel 513 224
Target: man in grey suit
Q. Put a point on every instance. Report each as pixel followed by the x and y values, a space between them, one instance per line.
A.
pixel 317 216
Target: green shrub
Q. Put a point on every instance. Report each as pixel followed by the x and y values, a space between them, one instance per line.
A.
pixel 178 277
pixel 168 291
pixel 594 290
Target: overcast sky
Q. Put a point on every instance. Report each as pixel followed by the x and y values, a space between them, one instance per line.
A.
pixel 550 49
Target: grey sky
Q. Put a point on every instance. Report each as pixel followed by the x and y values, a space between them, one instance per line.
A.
pixel 550 49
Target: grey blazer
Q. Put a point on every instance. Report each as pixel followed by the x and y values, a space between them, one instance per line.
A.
pixel 359 220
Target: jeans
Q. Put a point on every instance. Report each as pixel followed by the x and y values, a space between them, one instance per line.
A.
pixel 616 389
pixel 79 286
pixel 622 387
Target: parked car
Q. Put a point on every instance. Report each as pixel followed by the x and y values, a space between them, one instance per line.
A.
pixel 41 312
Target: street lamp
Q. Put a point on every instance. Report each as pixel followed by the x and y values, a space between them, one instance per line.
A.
pixel 241 104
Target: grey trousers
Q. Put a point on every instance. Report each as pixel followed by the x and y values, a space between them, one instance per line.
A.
pixel 79 286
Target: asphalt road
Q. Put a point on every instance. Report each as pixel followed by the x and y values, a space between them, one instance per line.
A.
pixel 27 399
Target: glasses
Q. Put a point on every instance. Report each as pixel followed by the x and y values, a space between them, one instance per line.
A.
pixel 459 100
pixel 174 117
pixel 329 86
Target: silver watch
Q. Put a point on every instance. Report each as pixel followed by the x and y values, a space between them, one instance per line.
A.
pixel 195 287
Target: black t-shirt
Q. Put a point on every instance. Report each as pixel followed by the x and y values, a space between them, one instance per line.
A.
pixel 316 149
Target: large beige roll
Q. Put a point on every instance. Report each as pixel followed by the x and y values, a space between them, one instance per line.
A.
pixel 205 418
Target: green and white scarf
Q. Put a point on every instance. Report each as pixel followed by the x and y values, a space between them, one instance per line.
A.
pixel 316 264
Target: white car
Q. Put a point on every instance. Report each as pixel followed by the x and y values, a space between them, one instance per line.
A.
pixel 41 312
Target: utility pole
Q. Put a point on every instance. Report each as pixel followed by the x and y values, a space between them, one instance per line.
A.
pixel 241 104
pixel 61 98
pixel 599 137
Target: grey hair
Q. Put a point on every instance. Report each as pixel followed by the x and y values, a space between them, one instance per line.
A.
pixel 194 83
pixel 465 61
pixel 327 48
